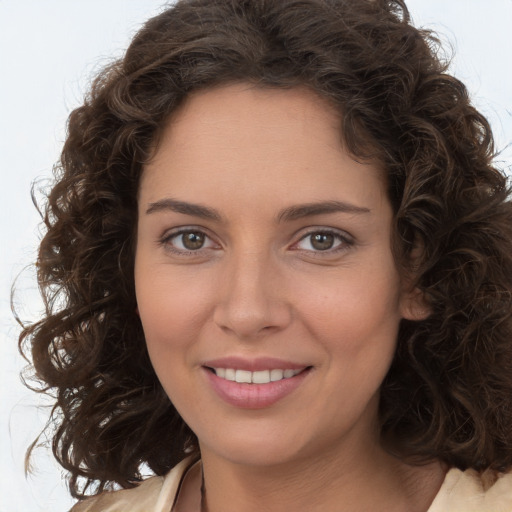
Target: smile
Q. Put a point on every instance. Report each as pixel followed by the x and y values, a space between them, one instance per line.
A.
pixel 254 384
pixel 257 377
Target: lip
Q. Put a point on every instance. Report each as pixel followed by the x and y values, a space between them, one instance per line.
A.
pixel 254 396
pixel 253 365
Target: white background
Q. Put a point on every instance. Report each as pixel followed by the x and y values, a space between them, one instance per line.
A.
pixel 49 49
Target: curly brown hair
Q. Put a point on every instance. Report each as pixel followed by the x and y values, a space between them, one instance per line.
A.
pixel 448 394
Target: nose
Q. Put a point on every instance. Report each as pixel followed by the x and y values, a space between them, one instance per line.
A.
pixel 252 299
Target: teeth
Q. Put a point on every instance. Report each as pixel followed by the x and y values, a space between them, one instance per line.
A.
pixel 243 376
pixel 259 377
pixel 262 377
pixel 276 375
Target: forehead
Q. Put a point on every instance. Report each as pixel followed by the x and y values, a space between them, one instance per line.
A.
pixel 234 100
pixel 256 140
pixel 244 113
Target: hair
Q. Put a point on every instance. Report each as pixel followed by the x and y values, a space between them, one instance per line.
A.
pixel 448 393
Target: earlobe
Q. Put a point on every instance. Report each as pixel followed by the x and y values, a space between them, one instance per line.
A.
pixel 414 305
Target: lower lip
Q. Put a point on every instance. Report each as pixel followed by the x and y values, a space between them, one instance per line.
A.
pixel 254 396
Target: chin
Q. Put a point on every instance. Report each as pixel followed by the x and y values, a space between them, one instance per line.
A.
pixel 259 446
pixel 255 455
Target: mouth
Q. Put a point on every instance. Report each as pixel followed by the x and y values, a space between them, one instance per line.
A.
pixel 257 388
pixel 256 377
pixel 255 383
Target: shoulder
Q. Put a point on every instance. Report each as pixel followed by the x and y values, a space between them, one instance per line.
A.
pixel 471 491
pixel 155 494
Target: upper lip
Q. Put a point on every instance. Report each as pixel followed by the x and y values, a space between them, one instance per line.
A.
pixel 253 365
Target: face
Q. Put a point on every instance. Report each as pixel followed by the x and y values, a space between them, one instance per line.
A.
pixel 264 276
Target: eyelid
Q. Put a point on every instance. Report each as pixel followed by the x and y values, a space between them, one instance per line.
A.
pixel 346 239
pixel 168 235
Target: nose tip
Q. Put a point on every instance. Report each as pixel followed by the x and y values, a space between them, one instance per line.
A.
pixel 247 321
pixel 252 303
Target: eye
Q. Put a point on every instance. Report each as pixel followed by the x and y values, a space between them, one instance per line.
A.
pixel 192 241
pixel 323 241
pixel 187 241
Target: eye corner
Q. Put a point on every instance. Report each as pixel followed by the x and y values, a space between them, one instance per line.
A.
pixel 199 240
pixel 328 241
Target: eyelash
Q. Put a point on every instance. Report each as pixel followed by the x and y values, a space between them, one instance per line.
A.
pixel 166 241
pixel 343 239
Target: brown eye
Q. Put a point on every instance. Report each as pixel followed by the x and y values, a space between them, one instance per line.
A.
pixel 328 242
pixel 322 241
pixel 186 242
pixel 192 240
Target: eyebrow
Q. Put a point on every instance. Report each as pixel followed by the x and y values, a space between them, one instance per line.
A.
pixel 195 210
pixel 288 214
pixel 322 207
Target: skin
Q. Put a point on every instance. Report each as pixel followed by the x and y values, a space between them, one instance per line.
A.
pixel 259 286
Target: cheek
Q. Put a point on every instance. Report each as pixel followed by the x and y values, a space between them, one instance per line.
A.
pixel 356 324
pixel 354 307
pixel 172 310
pixel 169 320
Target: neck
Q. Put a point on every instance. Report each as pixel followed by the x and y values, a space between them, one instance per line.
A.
pixel 327 484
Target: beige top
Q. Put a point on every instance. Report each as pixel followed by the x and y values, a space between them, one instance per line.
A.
pixel 462 491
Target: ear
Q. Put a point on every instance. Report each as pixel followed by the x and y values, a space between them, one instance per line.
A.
pixel 414 306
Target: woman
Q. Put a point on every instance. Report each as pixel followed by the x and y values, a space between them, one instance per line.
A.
pixel 278 271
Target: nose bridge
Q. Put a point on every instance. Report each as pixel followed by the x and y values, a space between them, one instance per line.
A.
pixel 252 299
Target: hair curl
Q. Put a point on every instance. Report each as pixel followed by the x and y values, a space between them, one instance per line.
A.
pixel 448 392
